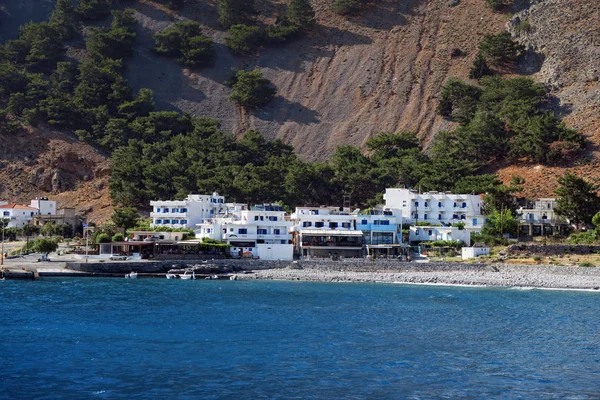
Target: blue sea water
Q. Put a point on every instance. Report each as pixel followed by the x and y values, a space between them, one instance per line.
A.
pixel 172 339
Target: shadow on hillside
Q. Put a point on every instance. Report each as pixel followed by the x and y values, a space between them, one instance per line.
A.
pixel 386 14
pixel 530 62
pixel 163 75
pixel 281 110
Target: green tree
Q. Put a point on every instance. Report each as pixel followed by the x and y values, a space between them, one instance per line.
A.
pixel 65 17
pixel 500 48
pixel 458 100
pixel 125 217
pixel 103 238
pixel 185 41
pixel 577 199
pixel 251 89
pixel 118 237
pixel 300 13
pixel 243 39
pixel 45 245
pixel 500 222
pixel 234 12
pixel 116 42
pixel 480 68
pixel 93 9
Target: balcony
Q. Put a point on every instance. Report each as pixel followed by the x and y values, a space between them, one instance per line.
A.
pixel 169 214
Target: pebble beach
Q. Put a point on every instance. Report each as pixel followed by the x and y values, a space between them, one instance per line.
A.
pixel 495 275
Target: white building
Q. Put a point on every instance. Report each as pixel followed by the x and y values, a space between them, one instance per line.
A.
pixel 18 215
pixel 475 251
pixel 436 207
pixel 44 206
pixel 431 233
pixel 326 232
pixel 193 210
pixel 538 218
pixel 263 231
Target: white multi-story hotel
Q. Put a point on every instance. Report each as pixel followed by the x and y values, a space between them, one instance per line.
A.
pixel 188 213
pixel 326 232
pixel 263 231
pixel 436 207
pixel 44 206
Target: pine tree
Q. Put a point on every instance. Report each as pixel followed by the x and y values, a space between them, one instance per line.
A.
pixel 65 18
pixel 301 13
pixel 234 12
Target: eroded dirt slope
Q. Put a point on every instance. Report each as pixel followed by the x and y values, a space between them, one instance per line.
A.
pixel 41 162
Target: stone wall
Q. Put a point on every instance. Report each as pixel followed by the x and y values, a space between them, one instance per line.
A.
pixel 550 249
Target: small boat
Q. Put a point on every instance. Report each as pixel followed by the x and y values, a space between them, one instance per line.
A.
pixel 186 276
pixel 131 275
pixel 171 276
pixel 233 278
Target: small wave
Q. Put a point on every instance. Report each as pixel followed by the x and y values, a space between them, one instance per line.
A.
pixel 99 392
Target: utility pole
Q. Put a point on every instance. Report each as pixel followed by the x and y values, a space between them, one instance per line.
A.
pixel 2 256
pixel 85 226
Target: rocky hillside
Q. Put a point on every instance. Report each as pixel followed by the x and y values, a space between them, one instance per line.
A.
pixel 351 77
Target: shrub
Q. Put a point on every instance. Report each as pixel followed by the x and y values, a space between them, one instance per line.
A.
pixel 243 38
pixel 280 33
pixel 118 237
pixel 185 41
pixel 103 238
pixel 93 9
pixel 586 264
pixel 480 68
pixel 251 89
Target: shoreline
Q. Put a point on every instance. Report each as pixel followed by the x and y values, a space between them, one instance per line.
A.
pixel 524 277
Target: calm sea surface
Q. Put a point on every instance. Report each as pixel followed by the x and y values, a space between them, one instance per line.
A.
pixel 173 339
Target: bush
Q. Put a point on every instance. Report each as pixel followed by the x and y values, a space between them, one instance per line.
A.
pixel 301 13
pixel 185 41
pixel 118 237
pixel 243 38
pixel 586 264
pixel 251 89
pixel 103 238
pixel 117 41
pixel 280 33
pixel 93 9
pixel 480 68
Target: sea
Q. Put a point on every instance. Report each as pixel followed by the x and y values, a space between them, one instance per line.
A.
pixel 95 338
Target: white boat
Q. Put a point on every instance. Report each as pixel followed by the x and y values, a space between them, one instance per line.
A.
pixel 171 276
pixel 186 276
pixel 131 275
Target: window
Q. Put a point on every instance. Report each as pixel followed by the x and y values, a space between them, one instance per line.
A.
pixel 424 216
pixel 183 210
pixel 272 218
pixel 455 216
pixel 175 221
pixel 439 216
pixel 166 221
pixel 230 229
pixel 416 204
pixel 243 231
pixel 439 204
pixel 165 210
pixel 474 221
pixel 464 205
pixel 283 242
pixel 262 218
pixel 345 224
pixel 463 217
pixel 6 213
pixel 319 224
pixel 454 204
pixel 256 217
pixel 364 222
pixel 306 224
pixel 158 221
pixel 261 231
pixel 276 231
pixel 425 204
pixel 381 222
pixel 417 231
pixel 333 225
pixel 158 209
pixel 183 221
pixel 430 232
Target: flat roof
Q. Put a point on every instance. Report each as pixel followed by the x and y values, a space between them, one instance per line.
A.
pixel 330 232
